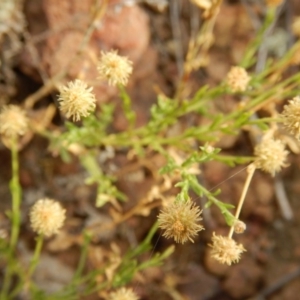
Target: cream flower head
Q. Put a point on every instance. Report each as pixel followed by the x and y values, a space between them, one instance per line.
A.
pixel 270 155
pixel 180 221
pixel 114 68
pixel 47 217
pixel 76 100
pixel 237 79
pixel 225 250
pixel 123 294
pixel 13 121
pixel 291 117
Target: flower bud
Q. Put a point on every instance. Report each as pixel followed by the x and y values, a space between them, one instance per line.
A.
pixel 239 226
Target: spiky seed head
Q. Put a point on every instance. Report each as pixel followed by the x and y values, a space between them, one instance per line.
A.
pixel 13 121
pixel 239 226
pixel 270 155
pixel 123 294
pixel 114 68
pixel 47 217
pixel 225 250
pixel 76 100
pixel 237 79
pixel 180 221
pixel 291 117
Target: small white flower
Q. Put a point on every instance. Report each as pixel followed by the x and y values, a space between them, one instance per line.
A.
pixel 114 68
pixel 47 217
pixel 237 79
pixel 13 121
pixel 270 155
pixel 76 100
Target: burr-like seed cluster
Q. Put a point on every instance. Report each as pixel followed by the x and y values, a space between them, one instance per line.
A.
pixel 225 250
pixel 180 221
pixel 47 217
pixel 114 68
pixel 76 100
pixel 237 79
pixel 123 294
pixel 13 121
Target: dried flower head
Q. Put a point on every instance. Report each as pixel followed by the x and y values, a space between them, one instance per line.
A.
pixel 296 27
pixel 225 250
pixel 237 79
pixel 270 155
pixel 13 121
pixel 76 100
pixel 114 68
pixel 47 217
pixel 239 226
pixel 291 117
pixel 123 294
pixel 179 220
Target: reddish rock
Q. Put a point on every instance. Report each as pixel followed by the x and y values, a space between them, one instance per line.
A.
pixel 125 29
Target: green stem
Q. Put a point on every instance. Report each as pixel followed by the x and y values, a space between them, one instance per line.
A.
pixel 15 190
pixel 127 106
pixel 36 255
pixel 83 257
pixel 33 263
pixel 200 190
